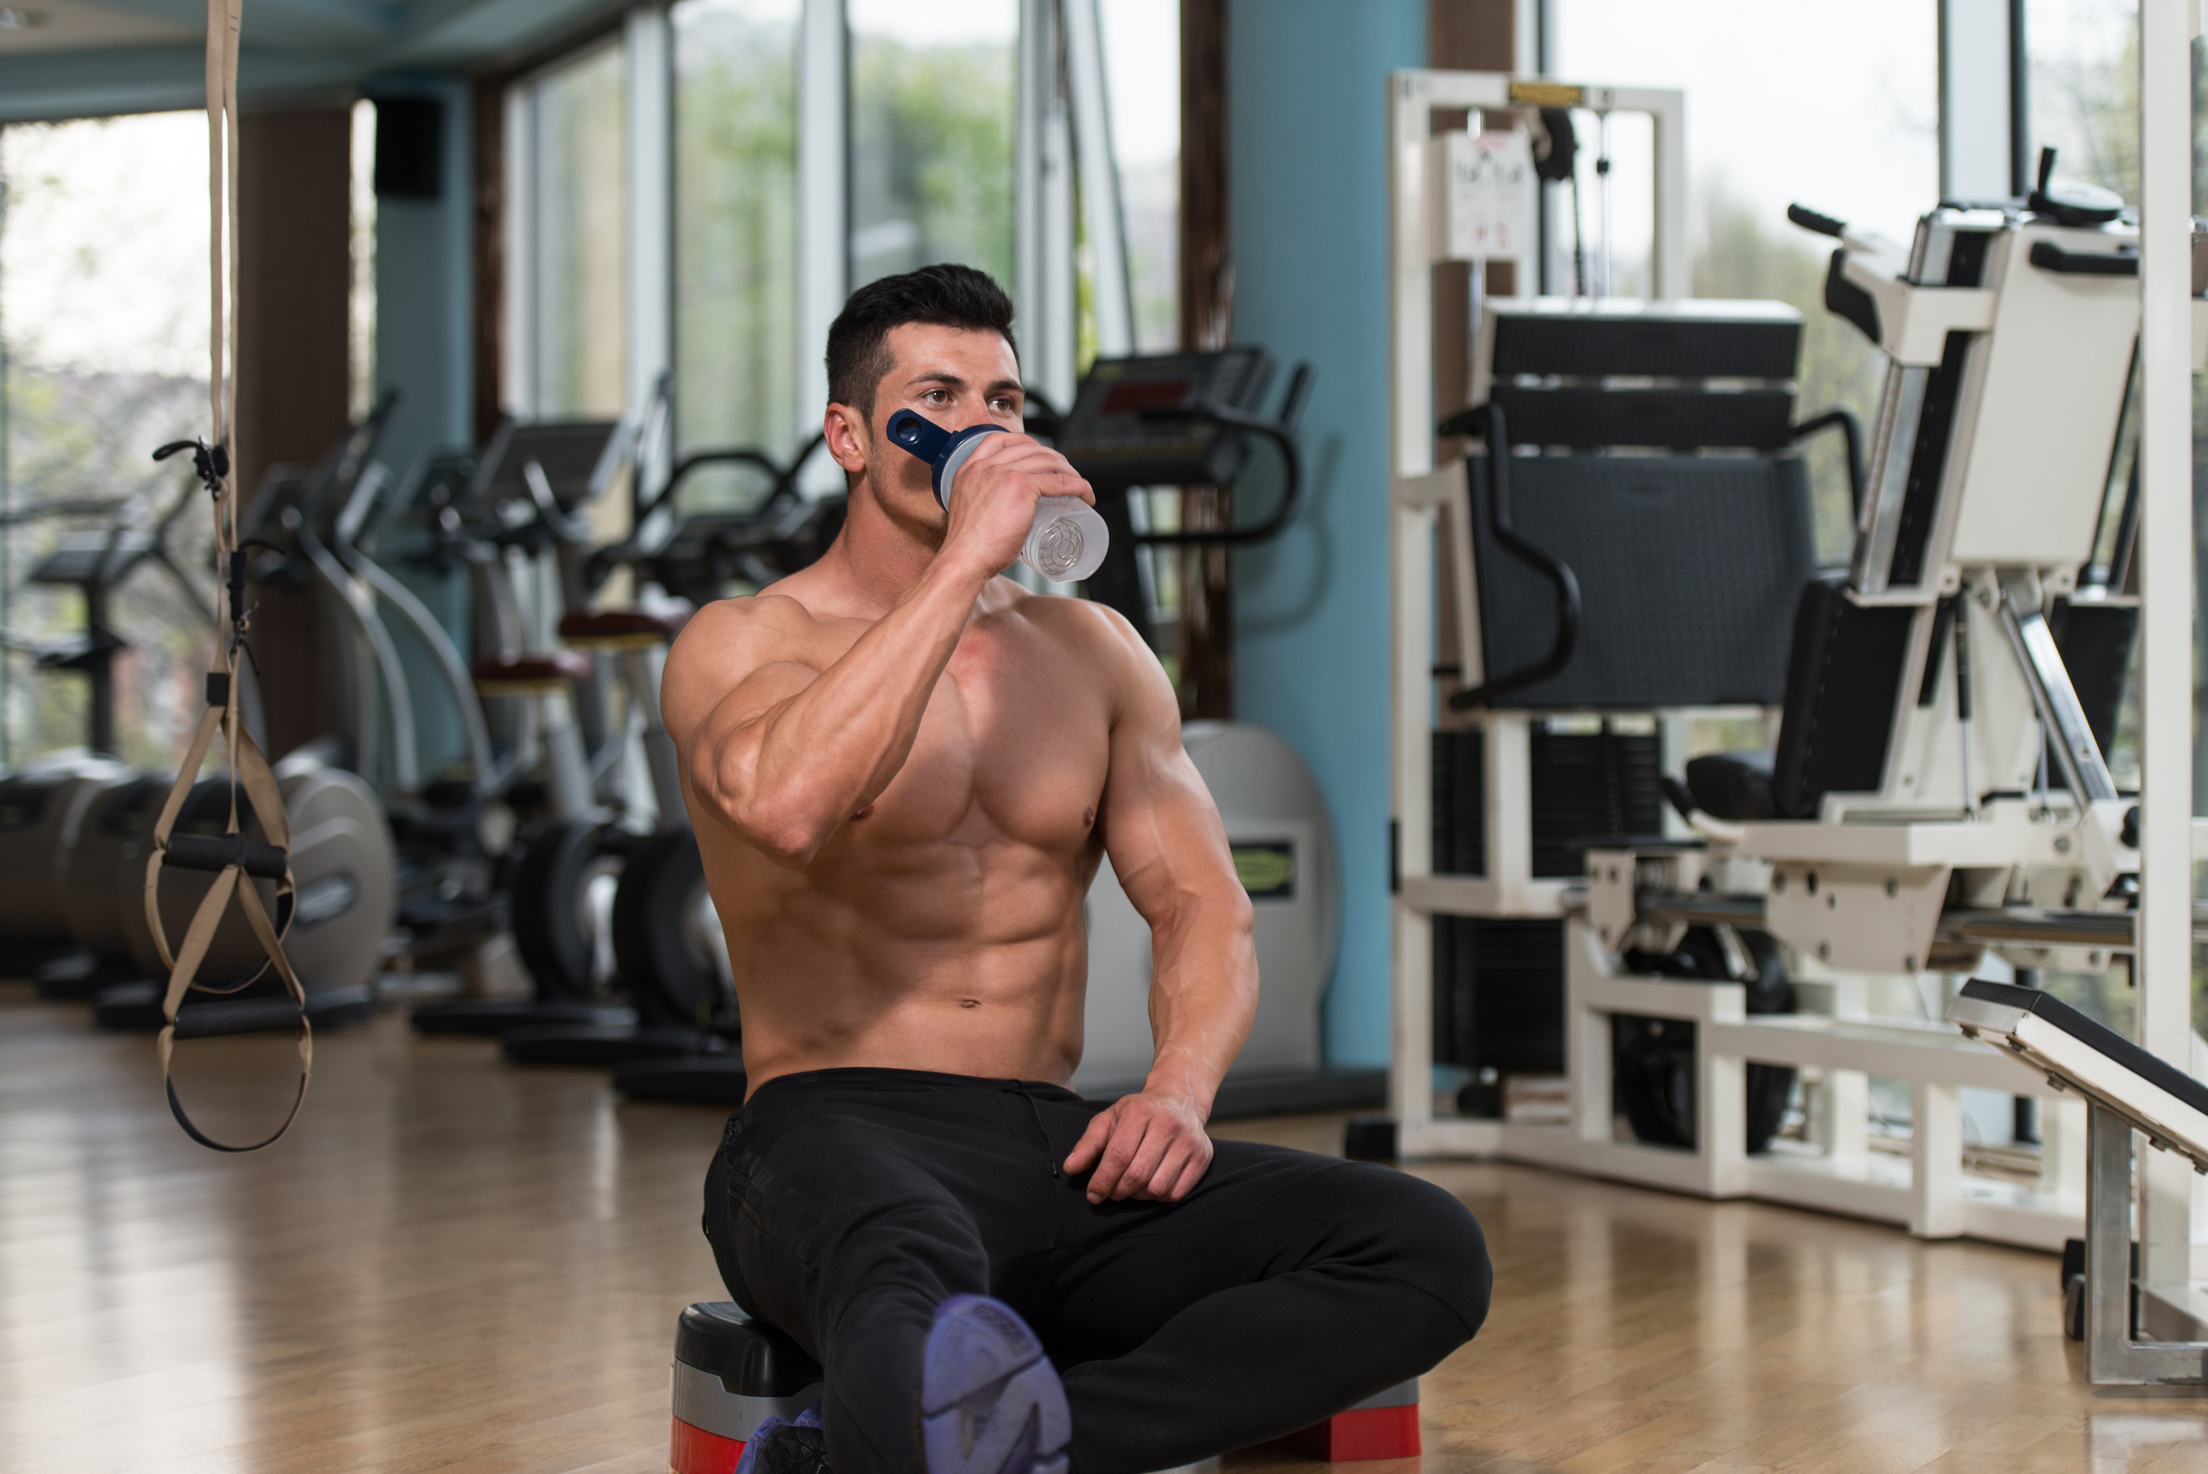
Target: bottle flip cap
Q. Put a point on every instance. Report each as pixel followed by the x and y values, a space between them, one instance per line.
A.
pixel 944 450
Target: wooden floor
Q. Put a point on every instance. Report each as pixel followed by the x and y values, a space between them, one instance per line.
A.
pixel 454 1265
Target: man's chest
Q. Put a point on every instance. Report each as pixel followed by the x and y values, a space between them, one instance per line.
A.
pixel 1013 745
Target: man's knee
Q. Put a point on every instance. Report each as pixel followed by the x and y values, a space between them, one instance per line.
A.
pixel 1428 1239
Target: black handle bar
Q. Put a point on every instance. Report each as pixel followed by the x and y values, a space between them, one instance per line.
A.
pixel 2048 256
pixel 601 563
pixel 1558 574
pixel 1851 430
pixel 1281 431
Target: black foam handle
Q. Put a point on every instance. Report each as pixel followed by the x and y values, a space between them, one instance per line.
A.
pixel 221 851
pixel 2048 256
pixel 238 1016
pixel 1809 219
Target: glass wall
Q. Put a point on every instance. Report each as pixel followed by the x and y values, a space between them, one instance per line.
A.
pixel 1142 75
pixel 579 192
pixel 103 356
pixel 736 245
pixel 934 94
pixel 2083 95
pixel 1855 136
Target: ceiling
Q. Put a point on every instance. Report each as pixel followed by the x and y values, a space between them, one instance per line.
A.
pixel 79 58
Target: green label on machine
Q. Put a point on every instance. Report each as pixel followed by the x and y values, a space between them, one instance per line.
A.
pixel 1267 871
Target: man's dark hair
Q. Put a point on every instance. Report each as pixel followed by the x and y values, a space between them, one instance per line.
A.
pixel 942 296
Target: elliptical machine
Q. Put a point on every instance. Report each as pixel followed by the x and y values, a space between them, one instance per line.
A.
pixel 666 935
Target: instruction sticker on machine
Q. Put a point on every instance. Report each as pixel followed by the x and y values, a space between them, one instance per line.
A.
pixel 1485 182
pixel 1267 870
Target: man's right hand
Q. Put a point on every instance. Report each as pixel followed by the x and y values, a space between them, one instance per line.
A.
pixel 993 500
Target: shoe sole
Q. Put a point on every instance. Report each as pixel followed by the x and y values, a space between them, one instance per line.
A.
pixel 990 1401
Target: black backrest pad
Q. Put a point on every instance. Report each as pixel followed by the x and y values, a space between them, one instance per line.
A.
pixel 751 1358
pixel 1688 568
pixel 2096 643
pixel 1843 679
pixel 2095 1036
pixel 1651 345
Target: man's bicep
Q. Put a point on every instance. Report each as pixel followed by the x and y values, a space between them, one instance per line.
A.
pixel 1161 828
pixel 715 667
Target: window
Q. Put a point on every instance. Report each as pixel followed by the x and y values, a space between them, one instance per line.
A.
pixel 577 118
pixel 2083 96
pixel 737 339
pixel 1855 135
pixel 1142 73
pixel 103 343
pixel 932 107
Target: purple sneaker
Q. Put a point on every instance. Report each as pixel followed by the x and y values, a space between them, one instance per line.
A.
pixel 990 1401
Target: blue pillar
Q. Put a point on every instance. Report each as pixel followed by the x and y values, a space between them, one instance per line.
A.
pixel 1307 92
pixel 424 285
pixel 425 269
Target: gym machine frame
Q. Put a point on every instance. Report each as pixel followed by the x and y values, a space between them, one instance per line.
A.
pixel 1420 490
pixel 1932 1198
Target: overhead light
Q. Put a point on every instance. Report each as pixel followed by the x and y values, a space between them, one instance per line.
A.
pixel 12 19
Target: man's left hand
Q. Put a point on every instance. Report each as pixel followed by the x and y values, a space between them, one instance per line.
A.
pixel 1151 1148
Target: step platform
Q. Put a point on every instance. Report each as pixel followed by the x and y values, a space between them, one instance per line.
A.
pixel 596 1045
pixel 136 1007
pixel 731 1373
pixel 492 1018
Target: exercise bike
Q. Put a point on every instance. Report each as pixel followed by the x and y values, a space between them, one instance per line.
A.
pixel 666 935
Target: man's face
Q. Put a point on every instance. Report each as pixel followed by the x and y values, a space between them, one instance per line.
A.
pixel 954 376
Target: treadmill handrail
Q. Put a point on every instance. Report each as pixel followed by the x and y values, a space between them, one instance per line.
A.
pixel 1281 431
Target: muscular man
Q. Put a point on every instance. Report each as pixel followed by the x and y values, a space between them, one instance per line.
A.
pixel 904 771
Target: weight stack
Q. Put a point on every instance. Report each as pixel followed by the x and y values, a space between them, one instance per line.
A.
pixel 1499 994
pixel 1587 787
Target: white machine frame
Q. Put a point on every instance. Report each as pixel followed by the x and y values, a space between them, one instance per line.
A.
pixel 1928 1192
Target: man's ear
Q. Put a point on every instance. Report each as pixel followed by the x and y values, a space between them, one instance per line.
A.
pixel 850 442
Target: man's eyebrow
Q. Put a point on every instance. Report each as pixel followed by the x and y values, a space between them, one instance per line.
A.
pixel 1005 386
pixel 938 376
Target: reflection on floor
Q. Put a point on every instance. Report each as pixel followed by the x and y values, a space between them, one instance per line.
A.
pixel 455 1265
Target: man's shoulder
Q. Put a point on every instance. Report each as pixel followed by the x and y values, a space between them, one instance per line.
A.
pixel 1093 628
pixel 729 638
pixel 768 612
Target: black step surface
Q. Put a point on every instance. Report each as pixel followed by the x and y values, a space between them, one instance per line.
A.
pixel 598 1045
pixel 490 1018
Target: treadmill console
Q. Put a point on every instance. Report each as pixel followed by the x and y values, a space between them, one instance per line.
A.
pixel 1140 422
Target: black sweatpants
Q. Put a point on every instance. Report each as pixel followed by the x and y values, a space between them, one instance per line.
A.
pixel 845 1205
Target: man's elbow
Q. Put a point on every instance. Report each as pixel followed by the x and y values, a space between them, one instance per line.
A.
pixel 781 829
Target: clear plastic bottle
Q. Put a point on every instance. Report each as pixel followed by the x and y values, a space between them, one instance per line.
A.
pixel 1068 540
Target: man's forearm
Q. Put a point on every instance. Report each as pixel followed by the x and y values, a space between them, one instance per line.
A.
pixel 1203 999
pixel 794 775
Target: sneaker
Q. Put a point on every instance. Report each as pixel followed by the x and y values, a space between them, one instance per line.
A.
pixel 777 1447
pixel 990 1401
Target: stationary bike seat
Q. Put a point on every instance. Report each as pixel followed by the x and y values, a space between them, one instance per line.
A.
pixel 617 627
pixel 532 670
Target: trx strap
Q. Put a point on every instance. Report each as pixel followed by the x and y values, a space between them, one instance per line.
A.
pixel 234 861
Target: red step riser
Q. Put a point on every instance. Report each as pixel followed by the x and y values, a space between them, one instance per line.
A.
pixel 1361 1433
pixel 695 1451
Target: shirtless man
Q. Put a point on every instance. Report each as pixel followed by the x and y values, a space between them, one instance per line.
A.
pixel 904 770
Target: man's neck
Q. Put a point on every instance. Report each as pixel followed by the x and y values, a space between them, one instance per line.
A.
pixel 874 562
